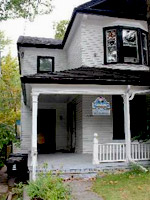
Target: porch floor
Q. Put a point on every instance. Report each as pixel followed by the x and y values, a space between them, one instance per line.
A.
pixel 74 162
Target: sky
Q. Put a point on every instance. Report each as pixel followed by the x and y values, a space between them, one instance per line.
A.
pixel 42 26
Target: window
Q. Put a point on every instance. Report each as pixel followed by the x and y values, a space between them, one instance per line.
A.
pixel 125 45
pixel 111 45
pixel 45 64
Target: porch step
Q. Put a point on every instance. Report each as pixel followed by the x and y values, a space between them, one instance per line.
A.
pixel 86 173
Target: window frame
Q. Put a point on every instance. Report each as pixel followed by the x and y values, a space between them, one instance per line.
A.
pixel 45 57
pixel 119 34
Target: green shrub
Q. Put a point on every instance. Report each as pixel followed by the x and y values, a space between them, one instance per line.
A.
pixel 48 187
pixel 18 191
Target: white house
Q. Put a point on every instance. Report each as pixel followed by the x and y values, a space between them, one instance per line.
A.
pixel 87 94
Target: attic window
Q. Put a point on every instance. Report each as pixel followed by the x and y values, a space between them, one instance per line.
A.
pixel 45 64
pixel 125 45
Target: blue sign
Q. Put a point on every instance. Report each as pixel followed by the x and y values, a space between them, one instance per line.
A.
pixel 100 107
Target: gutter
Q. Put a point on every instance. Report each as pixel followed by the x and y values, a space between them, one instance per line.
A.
pixel 138 92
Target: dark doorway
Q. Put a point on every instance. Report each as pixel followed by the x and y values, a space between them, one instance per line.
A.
pixel 118 117
pixel 46 129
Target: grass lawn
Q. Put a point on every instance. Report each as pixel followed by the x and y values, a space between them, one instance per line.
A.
pixel 133 185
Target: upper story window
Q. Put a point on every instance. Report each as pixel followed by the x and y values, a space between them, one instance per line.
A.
pixel 45 64
pixel 125 45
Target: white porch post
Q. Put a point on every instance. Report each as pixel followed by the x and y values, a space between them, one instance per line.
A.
pixel 95 149
pixel 127 126
pixel 34 135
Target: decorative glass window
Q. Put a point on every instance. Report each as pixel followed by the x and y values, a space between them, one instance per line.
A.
pixel 111 39
pixel 125 45
pixel 145 48
pixel 130 46
pixel 45 64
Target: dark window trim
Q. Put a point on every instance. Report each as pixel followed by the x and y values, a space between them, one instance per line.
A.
pixel 120 44
pixel 46 57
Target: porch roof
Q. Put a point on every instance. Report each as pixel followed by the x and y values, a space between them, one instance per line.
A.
pixel 91 75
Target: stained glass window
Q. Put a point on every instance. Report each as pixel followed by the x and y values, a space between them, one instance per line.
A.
pixel 145 48
pixel 130 46
pixel 111 46
pixel 125 45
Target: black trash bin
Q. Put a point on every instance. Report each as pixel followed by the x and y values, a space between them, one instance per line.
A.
pixel 17 167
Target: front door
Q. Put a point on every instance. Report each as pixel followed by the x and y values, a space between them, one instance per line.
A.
pixel 46 126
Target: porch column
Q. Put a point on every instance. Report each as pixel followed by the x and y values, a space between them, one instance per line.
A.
pixel 34 135
pixel 95 149
pixel 127 126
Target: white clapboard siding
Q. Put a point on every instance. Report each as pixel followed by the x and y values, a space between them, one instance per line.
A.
pixel 74 50
pixel 103 125
pixel 29 61
pixel 26 129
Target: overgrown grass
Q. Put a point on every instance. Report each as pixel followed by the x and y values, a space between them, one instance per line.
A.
pixel 132 185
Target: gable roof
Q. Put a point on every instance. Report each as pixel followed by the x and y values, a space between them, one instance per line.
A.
pixel 91 75
pixel 132 9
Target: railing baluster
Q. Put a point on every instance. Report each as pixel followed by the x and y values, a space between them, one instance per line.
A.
pixel 107 152
pixel 145 151
pixel 113 152
pixel 100 153
pixel 136 151
pixel 142 151
pixel 123 151
pixel 117 152
pixel 103 153
pixel 139 150
pixel 110 152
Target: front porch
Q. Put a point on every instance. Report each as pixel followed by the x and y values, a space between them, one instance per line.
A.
pixel 91 151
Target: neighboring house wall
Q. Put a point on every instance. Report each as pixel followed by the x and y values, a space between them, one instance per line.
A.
pixel 29 60
pixel 102 125
pixel 74 50
pixel 92 40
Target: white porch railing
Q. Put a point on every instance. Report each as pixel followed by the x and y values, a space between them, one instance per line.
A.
pixel 140 151
pixel 112 152
pixel 115 152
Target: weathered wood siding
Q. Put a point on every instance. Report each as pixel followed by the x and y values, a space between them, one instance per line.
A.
pixel 102 125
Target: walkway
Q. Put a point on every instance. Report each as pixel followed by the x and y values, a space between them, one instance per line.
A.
pixel 3 181
pixel 81 190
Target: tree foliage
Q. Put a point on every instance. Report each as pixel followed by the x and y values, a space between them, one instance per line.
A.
pixel 10 91
pixel 3 40
pixel 10 9
pixel 60 29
